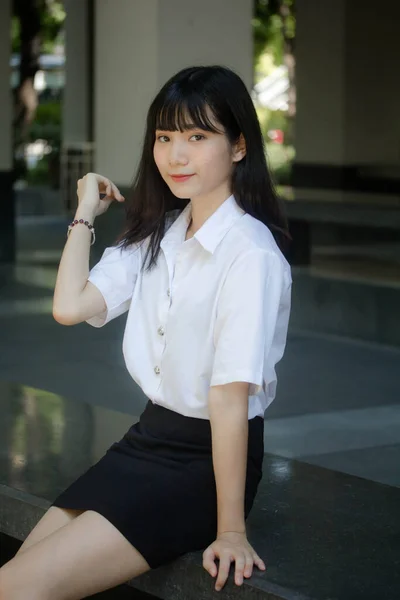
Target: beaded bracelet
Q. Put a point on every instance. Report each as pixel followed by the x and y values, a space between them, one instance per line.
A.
pixel 77 222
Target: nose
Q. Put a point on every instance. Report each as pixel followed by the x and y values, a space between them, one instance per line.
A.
pixel 177 153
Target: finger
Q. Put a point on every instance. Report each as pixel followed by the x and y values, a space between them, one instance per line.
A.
pixel 223 572
pixel 240 564
pixel 248 569
pixel 117 194
pixel 104 185
pixel 209 562
pixel 259 562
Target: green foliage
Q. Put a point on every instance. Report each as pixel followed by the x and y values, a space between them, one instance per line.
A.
pixel 47 124
pixel 283 174
pixel 52 23
pixel 273 23
pixel 46 171
pixel 264 115
pixel 278 120
pixel 52 19
pixel 280 158
pixel 274 26
pixel 15 35
pixel 272 119
pixel 39 174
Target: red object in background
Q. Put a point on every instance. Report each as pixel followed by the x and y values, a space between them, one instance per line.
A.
pixel 276 135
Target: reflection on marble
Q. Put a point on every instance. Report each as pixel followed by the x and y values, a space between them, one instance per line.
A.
pixel 324 535
pixel 46 441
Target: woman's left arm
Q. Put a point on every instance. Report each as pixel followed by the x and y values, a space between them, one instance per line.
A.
pixel 228 408
pixel 243 332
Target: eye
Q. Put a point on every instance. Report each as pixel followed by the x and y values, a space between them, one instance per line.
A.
pixel 199 137
pixel 163 138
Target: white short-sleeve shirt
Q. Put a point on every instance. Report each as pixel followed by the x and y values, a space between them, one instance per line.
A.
pixel 214 310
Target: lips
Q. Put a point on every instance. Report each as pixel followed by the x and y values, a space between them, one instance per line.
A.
pixel 181 178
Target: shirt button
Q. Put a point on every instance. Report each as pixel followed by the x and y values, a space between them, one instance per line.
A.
pixel 168 292
pixel 157 370
pixel 161 330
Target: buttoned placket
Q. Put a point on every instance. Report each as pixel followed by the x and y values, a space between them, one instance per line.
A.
pixel 174 257
pixel 167 301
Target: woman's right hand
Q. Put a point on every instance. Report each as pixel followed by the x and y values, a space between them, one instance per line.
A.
pixel 89 189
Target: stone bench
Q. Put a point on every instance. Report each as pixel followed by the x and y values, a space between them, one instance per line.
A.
pixel 324 535
pixel 319 215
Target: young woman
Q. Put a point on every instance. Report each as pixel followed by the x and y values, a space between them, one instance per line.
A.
pixel 201 271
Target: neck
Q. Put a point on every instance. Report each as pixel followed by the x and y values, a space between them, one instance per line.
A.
pixel 203 207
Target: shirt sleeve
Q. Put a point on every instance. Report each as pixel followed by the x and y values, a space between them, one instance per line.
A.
pixel 115 277
pixel 246 318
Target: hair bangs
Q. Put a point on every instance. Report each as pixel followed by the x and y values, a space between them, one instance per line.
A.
pixel 180 113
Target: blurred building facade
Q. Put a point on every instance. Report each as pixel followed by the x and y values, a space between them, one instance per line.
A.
pixel 344 205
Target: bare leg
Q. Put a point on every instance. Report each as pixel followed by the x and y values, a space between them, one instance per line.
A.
pixel 52 520
pixel 86 556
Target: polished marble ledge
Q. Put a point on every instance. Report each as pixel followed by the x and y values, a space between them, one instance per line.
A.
pixel 323 534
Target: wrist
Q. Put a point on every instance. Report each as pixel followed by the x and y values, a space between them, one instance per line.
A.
pixel 85 213
pixel 231 534
pixel 236 526
pixel 231 515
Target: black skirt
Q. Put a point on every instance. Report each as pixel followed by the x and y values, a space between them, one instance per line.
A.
pixel 157 486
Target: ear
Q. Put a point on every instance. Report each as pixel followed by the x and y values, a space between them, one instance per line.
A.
pixel 239 149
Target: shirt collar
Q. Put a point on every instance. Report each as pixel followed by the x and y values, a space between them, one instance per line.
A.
pixel 212 231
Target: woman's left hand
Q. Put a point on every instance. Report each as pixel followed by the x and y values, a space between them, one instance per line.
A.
pixel 231 547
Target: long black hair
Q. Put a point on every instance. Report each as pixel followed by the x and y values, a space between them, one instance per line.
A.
pixel 188 96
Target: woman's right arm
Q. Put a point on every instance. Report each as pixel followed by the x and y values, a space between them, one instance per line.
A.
pixel 75 298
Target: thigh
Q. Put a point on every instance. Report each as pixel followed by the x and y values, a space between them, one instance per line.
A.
pixel 52 520
pixel 86 556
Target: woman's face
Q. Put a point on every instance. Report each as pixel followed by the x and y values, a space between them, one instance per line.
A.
pixel 194 163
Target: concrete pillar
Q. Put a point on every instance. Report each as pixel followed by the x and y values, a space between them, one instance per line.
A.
pixel 320 81
pixel 77 122
pixel 77 100
pixel 138 46
pixel 372 83
pixel 347 91
pixel 7 221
